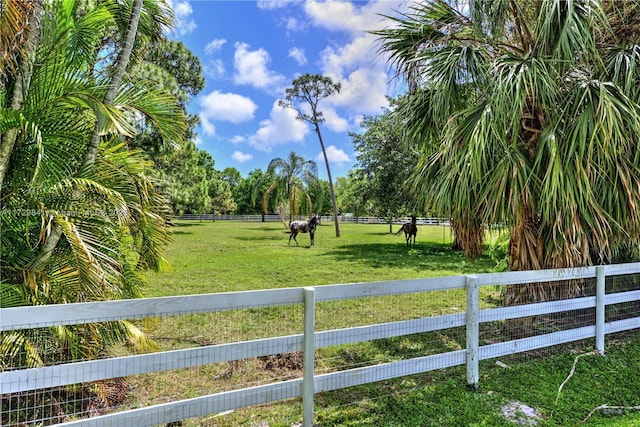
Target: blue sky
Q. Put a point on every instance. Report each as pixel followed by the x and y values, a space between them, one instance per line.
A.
pixel 252 50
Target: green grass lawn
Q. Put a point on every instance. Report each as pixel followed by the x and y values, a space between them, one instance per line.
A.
pixel 225 256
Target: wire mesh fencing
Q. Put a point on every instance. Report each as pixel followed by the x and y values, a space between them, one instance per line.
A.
pixel 174 357
pixel 542 308
pixel 199 360
pixel 402 326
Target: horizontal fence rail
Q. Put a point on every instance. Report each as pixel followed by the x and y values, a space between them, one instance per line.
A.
pixel 323 219
pixel 472 319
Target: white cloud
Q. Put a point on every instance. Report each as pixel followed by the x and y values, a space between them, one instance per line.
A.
pixel 363 90
pixel 208 127
pixel 238 139
pixel 183 23
pixel 362 74
pixel 355 63
pixel 241 157
pixel 333 120
pixel 214 46
pixel 346 16
pixel 273 4
pixel 293 24
pixel 360 52
pixel 334 15
pixel 252 68
pixel 298 55
pixel 281 128
pixel 229 107
pixel 214 69
pixel 334 155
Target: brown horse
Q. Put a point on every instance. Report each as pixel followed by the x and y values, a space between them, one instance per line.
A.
pixel 309 226
pixel 410 229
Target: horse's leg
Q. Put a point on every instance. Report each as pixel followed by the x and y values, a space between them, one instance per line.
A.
pixel 311 233
pixel 293 235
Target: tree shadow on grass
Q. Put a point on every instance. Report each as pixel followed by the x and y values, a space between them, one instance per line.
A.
pixel 272 229
pixel 415 400
pixel 245 238
pixel 259 234
pixel 425 256
pixel 190 224
pixel 183 228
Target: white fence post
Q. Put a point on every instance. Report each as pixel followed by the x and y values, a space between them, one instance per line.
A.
pixel 600 308
pixel 473 331
pixel 54 376
pixel 308 357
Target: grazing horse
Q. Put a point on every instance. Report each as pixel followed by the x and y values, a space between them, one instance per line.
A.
pixel 410 229
pixel 303 227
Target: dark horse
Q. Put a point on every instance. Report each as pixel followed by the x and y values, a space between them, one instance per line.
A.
pixel 410 229
pixel 296 227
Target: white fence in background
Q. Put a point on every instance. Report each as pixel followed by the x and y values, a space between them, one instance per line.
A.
pixel 324 219
pixel 16 381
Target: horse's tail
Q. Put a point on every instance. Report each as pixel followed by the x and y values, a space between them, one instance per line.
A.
pixel 400 231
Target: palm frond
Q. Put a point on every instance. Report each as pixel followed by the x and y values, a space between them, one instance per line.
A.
pixel 14 27
pixel 416 35
pixel 623 69
pixel 563 25
pixel 593 171
pixel 92 276
pixel 17 350
pixel 158 107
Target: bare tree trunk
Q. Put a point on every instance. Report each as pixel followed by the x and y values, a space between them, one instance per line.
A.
pixel 92 149
pixel 525 245
pixel 282 213
pixel 22 82
pixel 468 236
pixel 456 245
pixel 121 66
pixel 526 252
pixel 333 194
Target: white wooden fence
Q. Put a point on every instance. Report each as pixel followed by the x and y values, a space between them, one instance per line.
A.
pixel 16 381
pixel 327 219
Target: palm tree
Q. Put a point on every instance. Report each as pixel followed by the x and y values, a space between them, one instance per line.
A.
pixel 311 89
pixel 16 23
pixel 537 114
pixel 73 231
pixel 116 79
pixel 290 180
pixel 22 24
pixel 113 82
pixel 425 111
